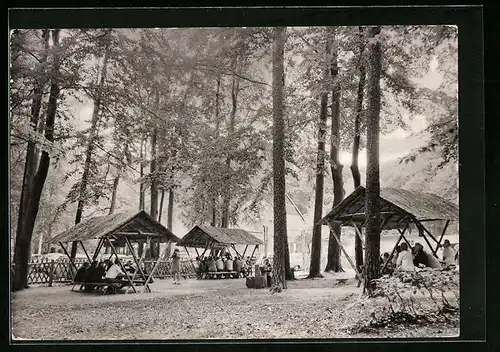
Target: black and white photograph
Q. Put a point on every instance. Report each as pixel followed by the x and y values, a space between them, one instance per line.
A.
pixel 197 183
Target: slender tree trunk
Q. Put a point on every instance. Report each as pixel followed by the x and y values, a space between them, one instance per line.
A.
pixel 334 262
pixel 31 162
pixel 170 217
pixel 112 207
pixel 23 242
pixel 232 120
pixel 278 158
pixel 142 189
pixel 162 198
pixel 314 267
pixel 217 127
pixel 154 183
pixel 358 245
pixel 94 130
pixel 372 250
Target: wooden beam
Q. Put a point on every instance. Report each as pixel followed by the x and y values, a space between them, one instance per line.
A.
pixel 234 247
pixel 422 233
pixel 402 233
pixel 430 234
pixel 256 246
pixel 137 262
pixel 332 231
pixel 245 251
pixel 442 234
pixel 358 233
pixel 146 284
pixel 197 253
pixel 83 247
pixel 98 249
pixel 67 254
pixel 206 248
pixel 120 263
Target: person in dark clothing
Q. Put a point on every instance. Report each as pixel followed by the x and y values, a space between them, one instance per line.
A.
pixel 90 277
pixel 80 274
pixel 420 256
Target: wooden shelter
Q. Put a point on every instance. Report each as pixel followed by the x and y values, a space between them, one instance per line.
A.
pixel 119 229
pixel 398 210
pixel 217 239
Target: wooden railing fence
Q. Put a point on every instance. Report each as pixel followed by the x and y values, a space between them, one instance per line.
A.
pixel 43 271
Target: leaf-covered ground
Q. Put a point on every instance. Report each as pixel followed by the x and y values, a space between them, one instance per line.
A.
pixel 201 309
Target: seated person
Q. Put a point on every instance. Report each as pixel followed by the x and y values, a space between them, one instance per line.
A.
pixel 389 267
pixel 211 264
pixel 93 275
pixel 420 258
pixel 219 264
pixel 237 265
pixel 113 274
pixel 229 264
pixel 81 271
pixel 130 267
pixel 405 259
pixel 448 253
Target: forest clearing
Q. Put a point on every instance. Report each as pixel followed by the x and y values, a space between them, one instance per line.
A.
pixel 292 182
pixel 204 310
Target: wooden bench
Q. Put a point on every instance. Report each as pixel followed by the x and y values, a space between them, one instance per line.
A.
pixel 123 283
pixel 221 274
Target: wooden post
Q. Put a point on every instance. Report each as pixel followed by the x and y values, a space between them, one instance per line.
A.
pixel 394 249
pixel 51 272
pixel 98 249
pixel 67 254
pixel 256 246
pixel 85 251
pixel 421 230
pixel 146 284
pixel 358 275
pixel 358 233
pixel 137 262
pixel 234 247
pixel 245 251
pixel 120 263
pixel 442 234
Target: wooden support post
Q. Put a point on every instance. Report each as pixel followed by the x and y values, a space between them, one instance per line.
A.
pixel 332 231
pixel 190 259
pixel 146 284
pixel 234 247
pixel 427 231
pixel 206 248
pixel 422 233
pixel 197 253
pixel 442 234
pixel 67 254
pixel 256 246
pixel 358 233
pixel 137 262
pixel 98 249
pixel 120 263
pixel 245 251
pixel 85 251
pixel 394 249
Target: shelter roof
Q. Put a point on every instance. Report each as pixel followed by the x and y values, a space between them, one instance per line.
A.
pixel 201 235
pixel 396 205
pixel 135 226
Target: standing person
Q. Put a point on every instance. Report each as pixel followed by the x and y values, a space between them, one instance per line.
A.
pixel 176 267
pixel 448 253
pixel 405 259
pixel 267 270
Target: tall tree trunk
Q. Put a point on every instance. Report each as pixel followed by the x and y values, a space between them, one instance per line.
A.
pixel 162 198
pixel 31 162
pixel 142 189
pixel 94 131
pixel 116 181
pixel 23 241
pixel 170 217
pixel 232 120
pixel 314 267
pixel 358 245
pixel 333 261
pixel 217 128
pixel 153 210
pixel 280 229
pixel 372 250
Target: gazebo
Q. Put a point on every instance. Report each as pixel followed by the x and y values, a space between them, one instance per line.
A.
pixel 217 239
pixel 399 209
pixel 119 229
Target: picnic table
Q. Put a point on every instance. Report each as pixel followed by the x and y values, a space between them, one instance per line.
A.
pixel 117 284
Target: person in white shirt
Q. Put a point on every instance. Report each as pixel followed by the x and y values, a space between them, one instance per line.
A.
pixel 405 259
pixel 448 253
pixel 114 271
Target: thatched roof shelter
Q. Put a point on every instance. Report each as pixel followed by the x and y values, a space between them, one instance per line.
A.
pixel 396 206
pixel 136 226
pixel 201 235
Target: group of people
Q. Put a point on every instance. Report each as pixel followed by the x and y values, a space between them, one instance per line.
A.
pixel 107 271
pixel 407 258
pixel 224 263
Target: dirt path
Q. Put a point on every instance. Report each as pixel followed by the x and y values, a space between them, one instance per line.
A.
pixel 197 309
